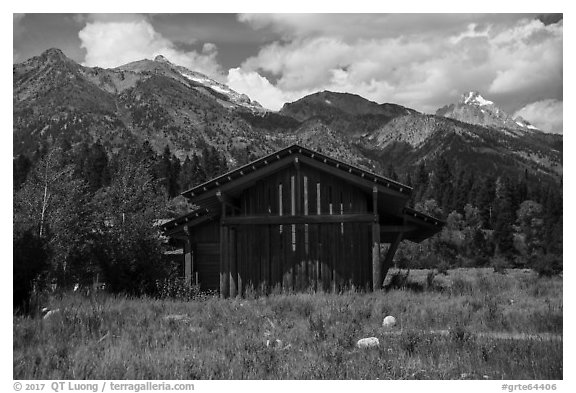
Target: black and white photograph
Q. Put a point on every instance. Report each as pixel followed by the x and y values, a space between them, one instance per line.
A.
pixel 287 196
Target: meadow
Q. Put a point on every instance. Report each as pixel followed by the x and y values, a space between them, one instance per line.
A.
pixel 468 324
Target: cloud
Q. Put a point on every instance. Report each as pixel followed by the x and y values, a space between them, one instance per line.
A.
pixel 17 30
pixel 261 89
pixel 356 26
pixel 512 59
pixel 114 40
pixel 547 115
pixel 528 59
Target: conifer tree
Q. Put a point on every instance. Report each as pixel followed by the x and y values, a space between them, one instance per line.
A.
pixel 95 168
pixel 504 219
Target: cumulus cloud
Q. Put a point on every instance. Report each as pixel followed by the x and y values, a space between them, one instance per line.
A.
pixel 528 59
pixel 422 65
pixel 261 89
pixel 547 115
pixel 114 40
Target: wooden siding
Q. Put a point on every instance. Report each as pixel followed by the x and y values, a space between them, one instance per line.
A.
pixel 264 197
pixel 205 241
pixel 327 256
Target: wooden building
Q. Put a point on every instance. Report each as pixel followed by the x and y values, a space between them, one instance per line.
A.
pixel 296 219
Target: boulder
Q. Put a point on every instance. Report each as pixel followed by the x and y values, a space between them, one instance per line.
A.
pixel 369 342
pixel 389 321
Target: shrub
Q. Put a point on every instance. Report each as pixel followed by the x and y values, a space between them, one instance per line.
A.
pixel 177 288
pixel 546 265
pixel 317 327
pixel 459 333
pixel 500 264
pixel 480 260
pixel 409 341
pixel 461 286
pixel 443 267
pixel 29 262
pixel 430 279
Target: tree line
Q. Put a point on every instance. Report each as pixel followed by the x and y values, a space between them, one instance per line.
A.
pixel 491 219
pixel 81 214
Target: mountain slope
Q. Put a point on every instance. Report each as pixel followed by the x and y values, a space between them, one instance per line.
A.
pixel 165 104
pixel 55 97
pixel 347 113
pixel 475 109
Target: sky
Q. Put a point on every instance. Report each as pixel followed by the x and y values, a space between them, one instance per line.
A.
pixel 422 61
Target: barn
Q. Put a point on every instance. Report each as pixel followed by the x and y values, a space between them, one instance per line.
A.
pixel 298 220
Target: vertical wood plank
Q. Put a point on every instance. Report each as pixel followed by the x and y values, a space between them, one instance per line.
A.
pixel 233 263
pixel 266 259
pixel 376 269
pixel 240 234
pixel 224 263
pixel 187 261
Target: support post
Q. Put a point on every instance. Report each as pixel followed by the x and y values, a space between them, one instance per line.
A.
pixel 376 268
pixel 390 255
pixel 224 260
pixel 232 259
pixel 187 261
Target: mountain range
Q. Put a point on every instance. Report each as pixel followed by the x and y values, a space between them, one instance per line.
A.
pixel 166 104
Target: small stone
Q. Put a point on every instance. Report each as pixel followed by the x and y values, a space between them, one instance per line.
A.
pixel 274 343
pixel 389 321
pixel 369 342
pixel 177 318
pixel 49 313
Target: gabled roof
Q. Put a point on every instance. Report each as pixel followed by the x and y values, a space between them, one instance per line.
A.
pixel 206 196
pixel 311 155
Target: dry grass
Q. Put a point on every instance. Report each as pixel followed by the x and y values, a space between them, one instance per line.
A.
pixel 110 337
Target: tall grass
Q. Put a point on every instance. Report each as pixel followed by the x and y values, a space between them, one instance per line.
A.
pixel 116 337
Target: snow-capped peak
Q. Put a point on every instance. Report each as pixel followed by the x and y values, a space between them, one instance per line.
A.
pixel 233 97
pixel 524 123
pixel 474 98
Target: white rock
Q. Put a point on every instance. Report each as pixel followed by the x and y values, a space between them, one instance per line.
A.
pixel 177 318
pixel 369 342
pixel 49 313
pixel 274 343
pixel 389 321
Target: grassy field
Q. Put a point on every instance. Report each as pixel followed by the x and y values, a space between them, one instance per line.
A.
pixel 469 324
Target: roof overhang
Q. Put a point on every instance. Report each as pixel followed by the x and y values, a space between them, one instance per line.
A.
pixel 275 161
pixel 424 226
pixel 392 195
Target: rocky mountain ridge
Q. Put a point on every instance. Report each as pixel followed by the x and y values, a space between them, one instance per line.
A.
pixel 474 109
pixel 166 104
